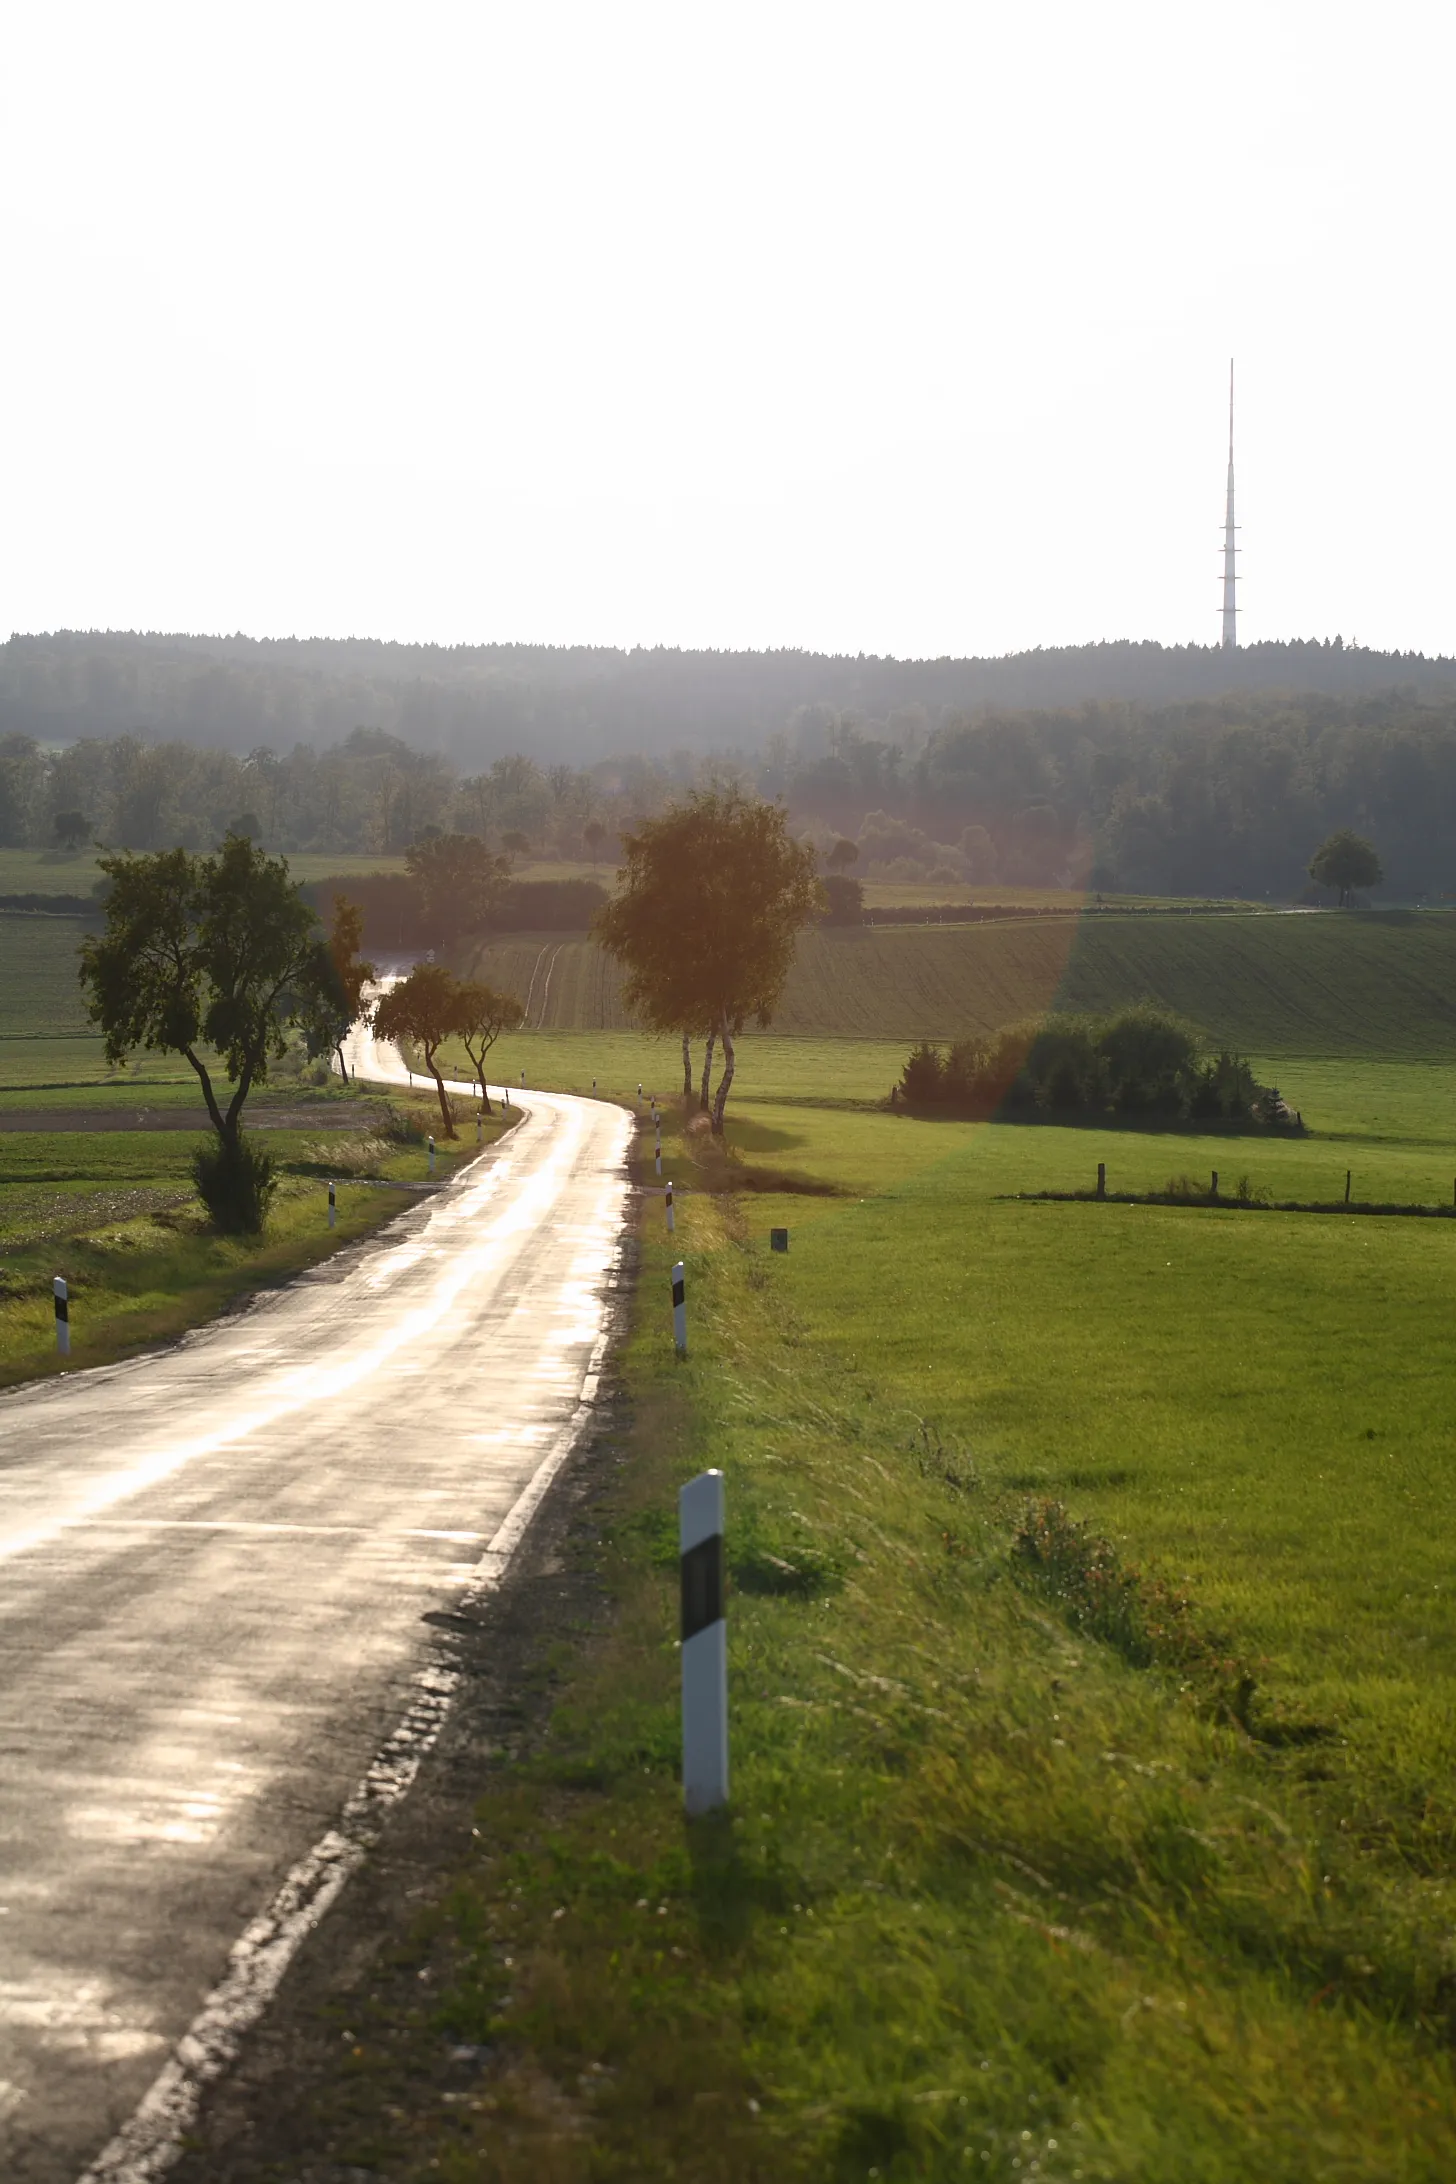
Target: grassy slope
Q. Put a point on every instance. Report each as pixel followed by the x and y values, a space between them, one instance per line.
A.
pixel 1297 985
pixel 990 1894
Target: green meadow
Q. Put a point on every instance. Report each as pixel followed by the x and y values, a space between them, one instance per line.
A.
pixel 1140 1864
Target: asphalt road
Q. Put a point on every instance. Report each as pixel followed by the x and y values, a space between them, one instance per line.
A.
pixel 214 1565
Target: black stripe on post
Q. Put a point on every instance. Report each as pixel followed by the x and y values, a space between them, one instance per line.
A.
pixel 63 1309
pixel 702 1586
pixel 679 1292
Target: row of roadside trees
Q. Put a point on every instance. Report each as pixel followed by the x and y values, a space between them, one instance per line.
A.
pixel 220 959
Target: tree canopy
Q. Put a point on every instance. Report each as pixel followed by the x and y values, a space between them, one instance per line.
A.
pixel 481 1015
pixel 213 958
pixel 1345 861
pixel 459 881
pixel 423 1008
pixel 710 900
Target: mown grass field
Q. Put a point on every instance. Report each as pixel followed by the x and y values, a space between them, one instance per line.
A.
pixel 999 1894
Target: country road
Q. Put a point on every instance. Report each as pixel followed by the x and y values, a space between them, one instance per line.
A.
pixel 214 1567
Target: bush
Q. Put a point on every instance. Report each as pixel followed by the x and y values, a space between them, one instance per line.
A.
pixel 846 900
pixel 1140 1062
pixel 236 1183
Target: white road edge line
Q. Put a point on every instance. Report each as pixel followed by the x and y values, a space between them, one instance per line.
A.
pixel 151 2140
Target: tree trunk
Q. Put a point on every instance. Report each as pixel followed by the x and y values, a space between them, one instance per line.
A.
pixel 707 1072
pixel 446 1118
pixel 726 1080
pixel 687 1067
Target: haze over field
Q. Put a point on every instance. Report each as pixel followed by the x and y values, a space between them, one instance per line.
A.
pixel 804 327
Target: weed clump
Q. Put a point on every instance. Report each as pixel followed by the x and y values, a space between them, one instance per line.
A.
pixel 1140 1617
pixel 235 1181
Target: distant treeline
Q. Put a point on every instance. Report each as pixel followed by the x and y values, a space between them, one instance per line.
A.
pixel 1226 796
pixel 397 919
pixel 583 704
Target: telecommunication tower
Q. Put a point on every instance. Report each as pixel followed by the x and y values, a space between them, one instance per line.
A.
pixel 1230 578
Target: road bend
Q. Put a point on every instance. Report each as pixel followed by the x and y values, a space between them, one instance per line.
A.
pixel 214 1565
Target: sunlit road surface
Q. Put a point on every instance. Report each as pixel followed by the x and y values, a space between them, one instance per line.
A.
pixel 213 1567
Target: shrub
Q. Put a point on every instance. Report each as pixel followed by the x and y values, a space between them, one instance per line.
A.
pixel 236 1183
pixel 922 1077
pixel 1141 1061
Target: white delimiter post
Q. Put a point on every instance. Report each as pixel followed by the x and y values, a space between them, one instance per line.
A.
pixel 704 1644
pixel 679 1310
pixel 331 1203
pixel 432 1156
pixel 671 1221
pixel 63 1315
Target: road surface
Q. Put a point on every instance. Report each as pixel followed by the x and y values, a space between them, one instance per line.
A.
pixel 214 1564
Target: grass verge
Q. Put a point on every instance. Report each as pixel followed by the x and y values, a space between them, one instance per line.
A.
pixel 116 1213
pixel 1037 1864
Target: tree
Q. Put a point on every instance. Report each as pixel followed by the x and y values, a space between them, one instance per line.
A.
pixel 516 842
pixel 1345 861
pixel 594 834
pixel 72 829
pixel 343 1005
pixel 423 1008
pixel 459 882
pixel 216 959
pixel 481 1015
pixel 845 898
pixel 842 855
pixel 708 907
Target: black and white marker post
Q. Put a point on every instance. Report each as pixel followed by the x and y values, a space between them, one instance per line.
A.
pixel 679 1310
pixel 671 1221
pixel 704 1644
pixel 63 1315
pixel 432 1156
pixel 659 1147
pixel 331 1202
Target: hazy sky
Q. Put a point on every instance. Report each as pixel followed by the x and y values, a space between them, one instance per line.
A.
pixel 895 329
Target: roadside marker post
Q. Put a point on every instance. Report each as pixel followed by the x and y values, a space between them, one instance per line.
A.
pixel 477 1125
pixel 432 1156
pixel 671 1218
pixel 1102 1179
pixel 331 1202
pixel 679 1310
pixel 1214 1192
pixel 1347 1186
pixel 704 1644
pixel 778 1239
pixel 63 1315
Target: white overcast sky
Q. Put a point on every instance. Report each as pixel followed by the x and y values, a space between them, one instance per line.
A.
pixel 892 329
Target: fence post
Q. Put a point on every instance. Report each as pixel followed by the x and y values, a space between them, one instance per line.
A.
pixel 63 1315
pixel 704 1643
pixel 1102 1179
pixel 331 1201
pixel 679 1310
pixel 671 1219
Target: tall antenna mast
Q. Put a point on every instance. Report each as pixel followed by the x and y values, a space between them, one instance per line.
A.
pixel 1230 579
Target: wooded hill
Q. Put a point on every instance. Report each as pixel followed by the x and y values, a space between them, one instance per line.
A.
pixel 583 703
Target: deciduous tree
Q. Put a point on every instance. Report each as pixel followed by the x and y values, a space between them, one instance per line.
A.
pixel 423 1008
pixel 481 1015
pixel 1345 860
pixel 213 958
pixel 343 1005
pixel 459 882
pixel 711 898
